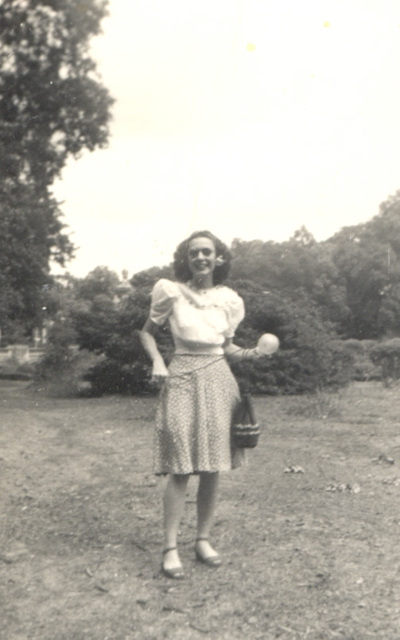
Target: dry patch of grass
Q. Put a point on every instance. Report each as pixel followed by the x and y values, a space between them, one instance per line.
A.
pixel 309 529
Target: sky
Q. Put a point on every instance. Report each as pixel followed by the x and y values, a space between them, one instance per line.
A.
pixel 250 118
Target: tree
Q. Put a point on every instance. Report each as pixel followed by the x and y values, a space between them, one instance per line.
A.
pixel 361 259
pixel 368 259
pixel 94 311
pixel 99 282
pixel 29 232
pixel 52 106
pixel 300 267
pixel 110 326
pixel 146 279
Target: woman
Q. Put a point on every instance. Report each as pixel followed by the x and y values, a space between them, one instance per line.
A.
pixel 199 394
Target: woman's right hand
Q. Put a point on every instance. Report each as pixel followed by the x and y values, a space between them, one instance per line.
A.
pixel 159 372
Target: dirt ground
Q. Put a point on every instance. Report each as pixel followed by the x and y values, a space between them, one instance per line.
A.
pixel 309 530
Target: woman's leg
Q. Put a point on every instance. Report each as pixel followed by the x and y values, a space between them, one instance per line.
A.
pixel 174 501
pixel 206 503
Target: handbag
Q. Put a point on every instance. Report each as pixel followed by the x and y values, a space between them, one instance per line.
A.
pixel 245 428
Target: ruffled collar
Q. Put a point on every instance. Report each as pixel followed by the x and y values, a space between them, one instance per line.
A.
pixel 203 298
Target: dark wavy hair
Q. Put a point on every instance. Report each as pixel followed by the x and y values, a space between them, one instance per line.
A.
pixel 181 263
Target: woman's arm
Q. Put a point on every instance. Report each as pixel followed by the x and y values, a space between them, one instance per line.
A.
pixel 160 371
pixel 237 354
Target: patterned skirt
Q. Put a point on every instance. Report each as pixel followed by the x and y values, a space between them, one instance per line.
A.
pixel 194 416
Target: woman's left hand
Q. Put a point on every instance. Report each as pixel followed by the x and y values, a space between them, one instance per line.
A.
pixel 237 354
pixel 254 354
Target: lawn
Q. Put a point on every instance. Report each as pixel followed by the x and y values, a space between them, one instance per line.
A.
pixel 309 530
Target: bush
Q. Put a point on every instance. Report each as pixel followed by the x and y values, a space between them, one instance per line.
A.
pixel 62 368
pixel 124 367
pixel 363 368
pixel 111 376
pixel 296 371
pixel 387 355
pixel 11 371
pixel 310 358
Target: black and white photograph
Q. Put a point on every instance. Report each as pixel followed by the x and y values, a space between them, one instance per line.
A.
pixel 199 320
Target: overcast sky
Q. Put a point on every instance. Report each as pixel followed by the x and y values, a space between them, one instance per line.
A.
pixel 247 117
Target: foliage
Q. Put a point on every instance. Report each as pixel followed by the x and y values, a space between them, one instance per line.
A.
pixel 146 279
pixel 300 266
pixel 353 278
pixel 58 352
pixel 384 349
pixel 52 106
pixel 99 282
pixel 28 231
pixel 52 103
pixel 86 312
pixel 126 367
pixel 319 298
pixel 309 358
pixel 61 371
pixel 360 351
pixel 95 323
pixel 94 309
pixel 110 376
pixel 59 357
pixel 106 315
pixel 368 259
pixel 361 259
pixel 387 355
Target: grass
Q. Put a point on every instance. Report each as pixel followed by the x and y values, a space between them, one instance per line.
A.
pixel 309 529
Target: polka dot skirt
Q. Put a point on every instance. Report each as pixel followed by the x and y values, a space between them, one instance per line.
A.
pixel 193 426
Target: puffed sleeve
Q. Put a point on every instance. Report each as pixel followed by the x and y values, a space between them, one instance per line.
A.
pixel 162 299
pixel 235 311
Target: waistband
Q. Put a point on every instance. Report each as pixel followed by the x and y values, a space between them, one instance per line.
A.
pixel 204 350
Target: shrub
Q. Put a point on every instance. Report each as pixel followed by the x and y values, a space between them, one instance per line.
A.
pixel 124 367
pixel 387 355
pixel 62 368
pixel 310 358
pixel 111 376
pixel 363 368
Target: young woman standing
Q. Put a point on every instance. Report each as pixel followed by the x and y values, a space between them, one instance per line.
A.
pixel 199 393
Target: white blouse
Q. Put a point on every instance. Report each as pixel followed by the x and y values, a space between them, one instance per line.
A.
pixel 200 321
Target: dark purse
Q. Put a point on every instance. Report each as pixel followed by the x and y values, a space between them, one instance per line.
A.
pixel 245 428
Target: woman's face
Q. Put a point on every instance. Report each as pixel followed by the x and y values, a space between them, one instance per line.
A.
pixel 201 256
